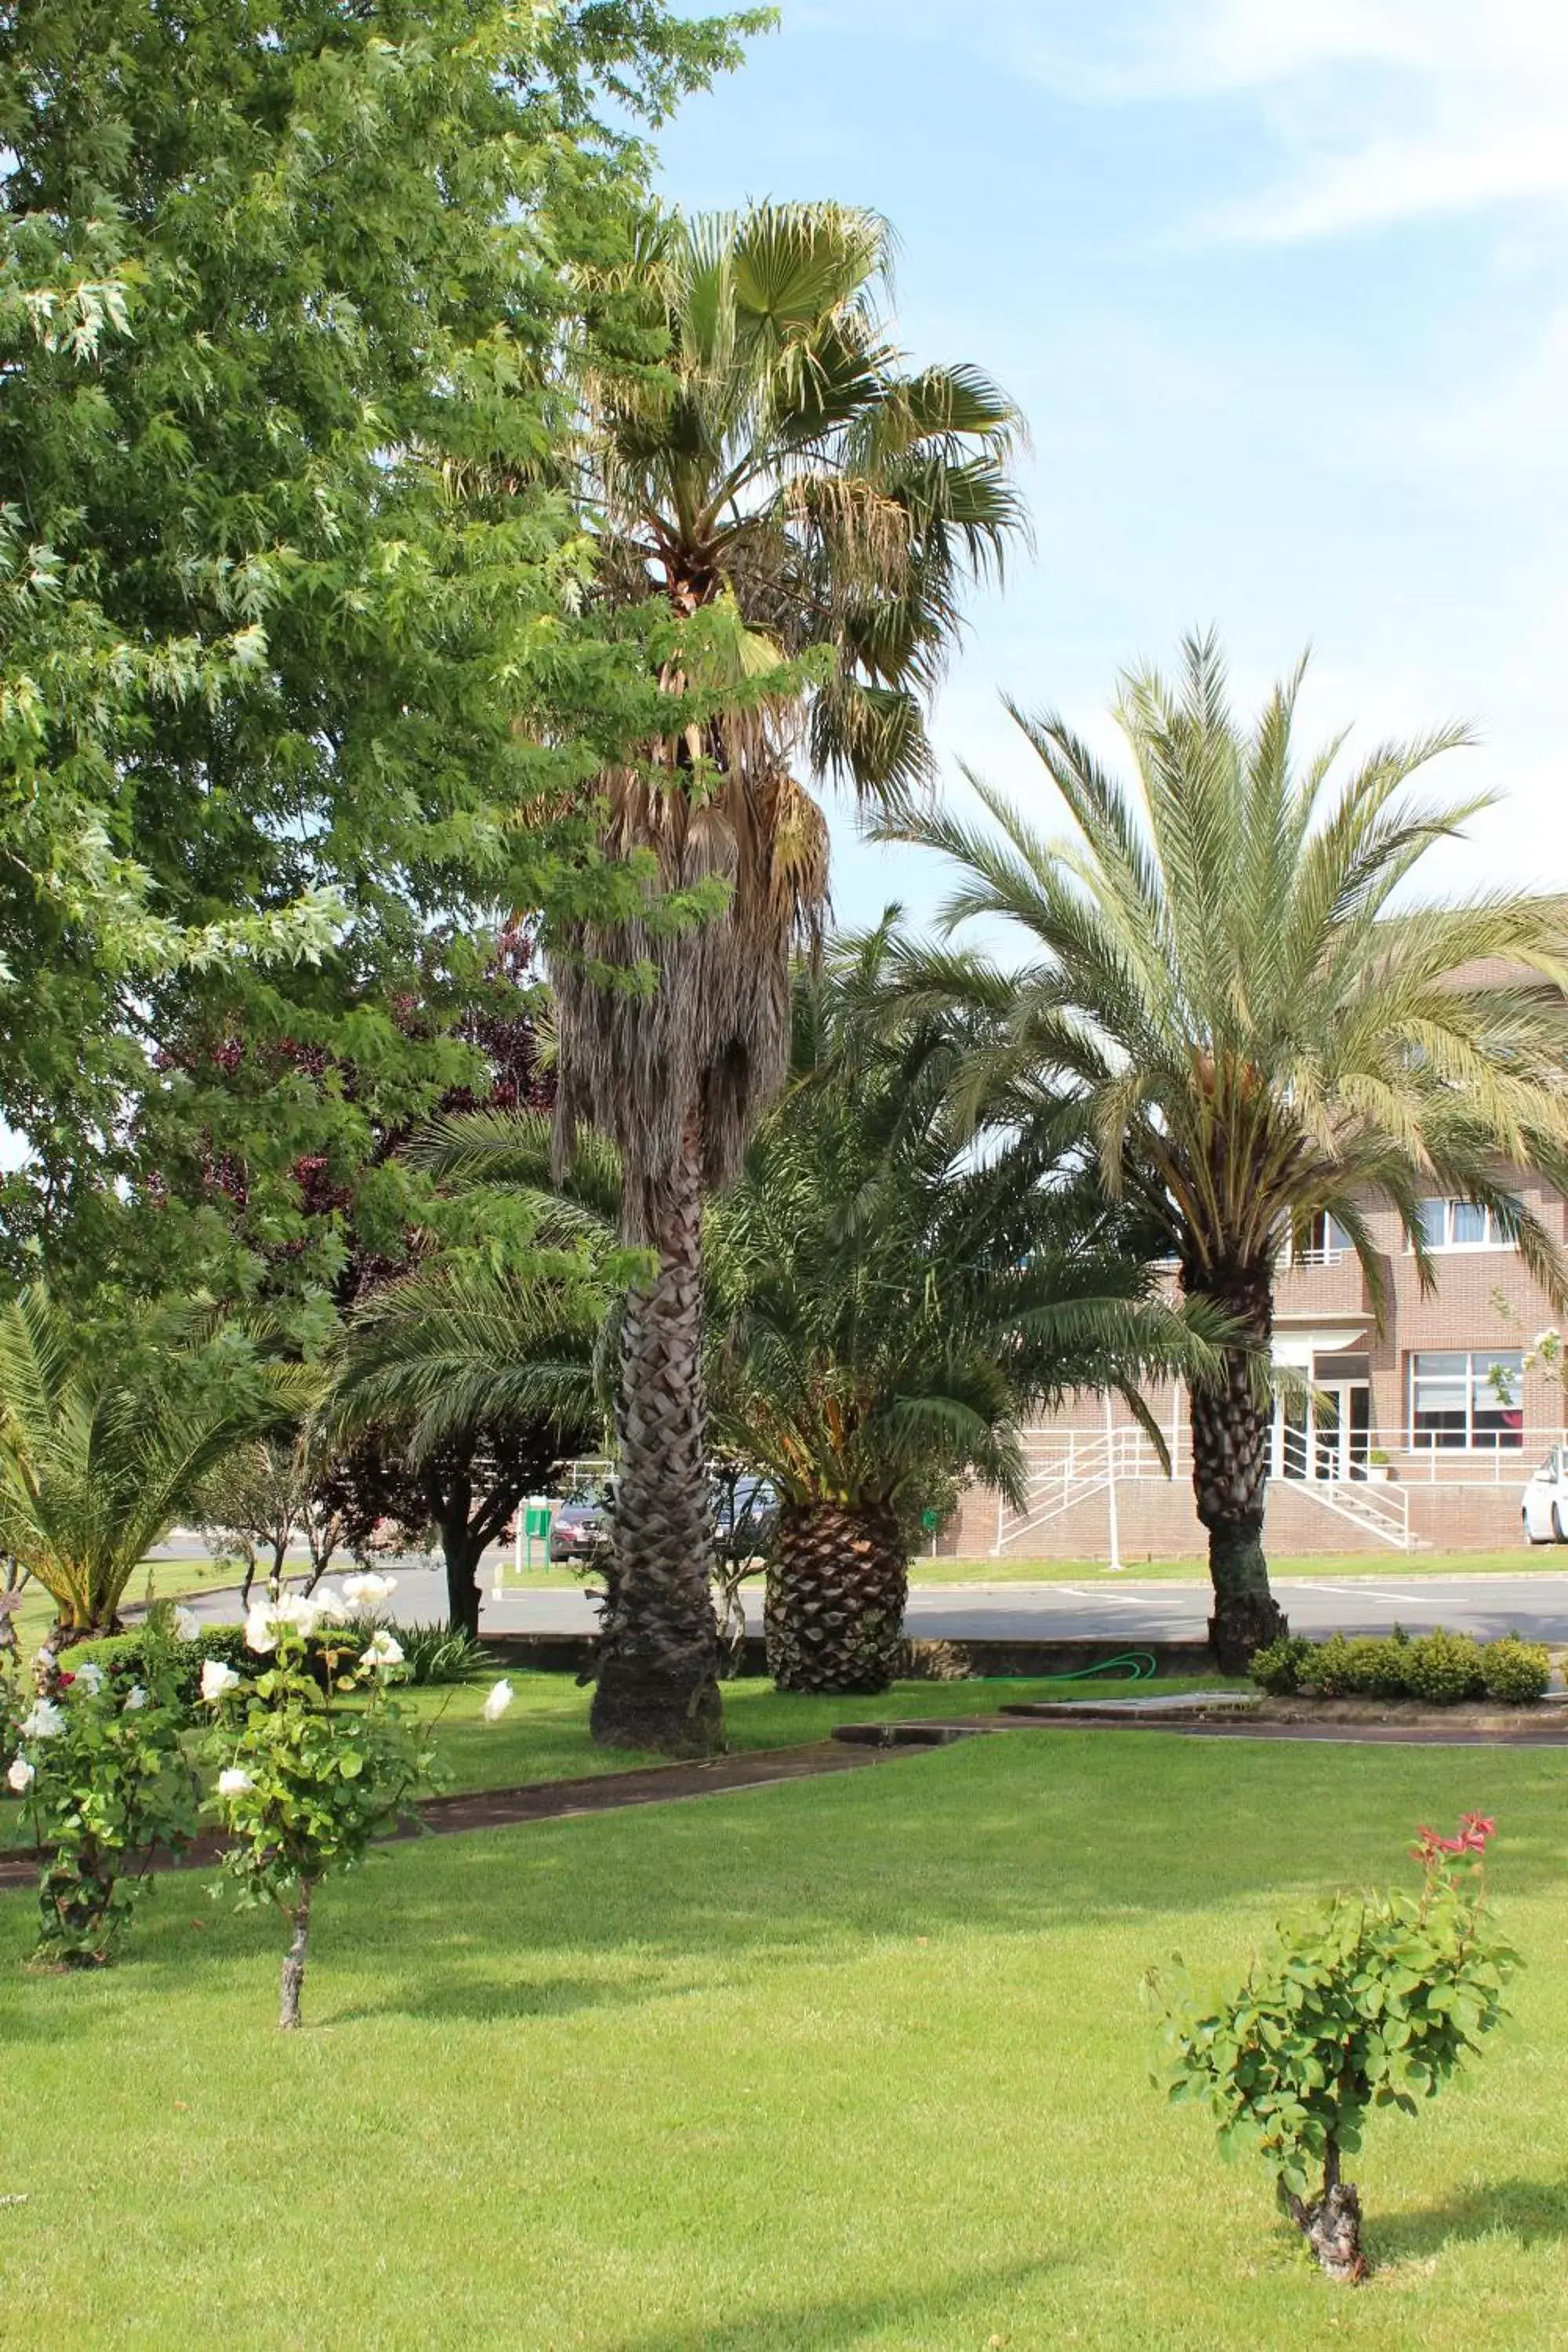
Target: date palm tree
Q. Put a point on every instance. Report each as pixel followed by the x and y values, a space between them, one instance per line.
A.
pixel 889 1306
pixel 101 1457
pixel 1255 1029
pixel 803 508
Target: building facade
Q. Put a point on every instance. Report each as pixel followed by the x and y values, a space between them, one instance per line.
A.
pixel 1415 1433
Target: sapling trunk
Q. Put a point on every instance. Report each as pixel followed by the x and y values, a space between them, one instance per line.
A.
pixel 294 1960
pixel 1332 2223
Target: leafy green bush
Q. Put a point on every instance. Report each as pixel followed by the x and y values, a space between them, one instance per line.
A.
pixel 435 1654
pixel 1517 1672
pixel 1377 1665
pixel 1375 2002
pixel 1276 1667
pixel 102 1773
pixel 1444 1668
pixel 123 1658
pixel 1328 1672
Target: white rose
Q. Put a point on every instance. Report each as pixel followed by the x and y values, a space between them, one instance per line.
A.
pixel 135 1699
pixel 366 1590
pixel 216 1678
pixel 498 1702
pixel 187 1624
pixel 381 1649
pixel 258 1632
pixel 21 1776
pixel 46 1721
pixel 234 1782
pixel 328 1604
pixel 90 1678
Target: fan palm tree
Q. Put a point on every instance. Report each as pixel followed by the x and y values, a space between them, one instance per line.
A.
pixel 1252 1034
pixel 805 509
pixel 887 1308
pixel 99 1460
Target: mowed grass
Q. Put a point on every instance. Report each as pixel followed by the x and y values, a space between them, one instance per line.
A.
pixel 852 2063
pixel 545 1734
pixel 1377 1567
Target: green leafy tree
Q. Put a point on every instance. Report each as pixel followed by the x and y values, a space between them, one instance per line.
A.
pixel 273 697
pixel 806 508
pixel 887 1308
pixel 107 1438
pixel 1254 1035
pixel 315 1760
pixel 1375 2003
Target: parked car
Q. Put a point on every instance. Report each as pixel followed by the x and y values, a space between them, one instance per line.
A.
pixel 578 1523
pixel 1545 1500
pixel 744 1512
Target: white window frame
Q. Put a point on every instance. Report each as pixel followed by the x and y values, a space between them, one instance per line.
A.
pixel 1428 1441
pixel 1449 1247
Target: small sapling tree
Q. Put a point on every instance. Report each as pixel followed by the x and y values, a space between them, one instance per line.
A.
pixel 1375 2002
pixel 315 1760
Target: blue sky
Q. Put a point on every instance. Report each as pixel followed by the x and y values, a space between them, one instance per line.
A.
pixel 1282 289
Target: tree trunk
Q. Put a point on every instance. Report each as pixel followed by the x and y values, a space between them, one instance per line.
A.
pixel 836 1591
pixel 1230 1470
pixel 294 1962
pixel 658 1682
pixel 1331 2224
pixel 462 1555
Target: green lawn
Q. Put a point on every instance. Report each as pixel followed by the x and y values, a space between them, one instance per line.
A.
pixel 1380 1565
pixel 840 2066
pixel 544 1735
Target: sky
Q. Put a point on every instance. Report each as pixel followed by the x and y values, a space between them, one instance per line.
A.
pixel 1281 287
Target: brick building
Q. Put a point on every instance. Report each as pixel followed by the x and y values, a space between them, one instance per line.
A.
pixel 1417 1434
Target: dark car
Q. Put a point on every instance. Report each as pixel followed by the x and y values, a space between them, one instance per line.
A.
pixel 577 1526
pixel 744 1512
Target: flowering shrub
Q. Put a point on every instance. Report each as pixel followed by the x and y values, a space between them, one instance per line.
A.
pixel 1375 2002
pixel 316 1759
pixel 104 1778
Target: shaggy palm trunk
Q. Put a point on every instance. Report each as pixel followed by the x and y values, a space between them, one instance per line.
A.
pixel 838 1586
pixel 1230 1470
pixel 658 1682
pixel 293 1977
pixel 461 1552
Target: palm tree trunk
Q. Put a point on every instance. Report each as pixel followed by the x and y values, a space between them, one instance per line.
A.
pixel 837 1587
pixel 658 1682
pixel 1230 1471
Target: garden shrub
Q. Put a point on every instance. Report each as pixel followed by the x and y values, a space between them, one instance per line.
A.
pixel 435 1654
pixel 1444 1668
pixel 1276 1667
pixel 101 1769
pixel 1377 1667
pixel 1328 1673
pixel 1372 2002
pixel 1516 1672
pixel 305 1782
pixel 123 1657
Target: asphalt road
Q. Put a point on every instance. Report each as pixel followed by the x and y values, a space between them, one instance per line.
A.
pixel 1533 1604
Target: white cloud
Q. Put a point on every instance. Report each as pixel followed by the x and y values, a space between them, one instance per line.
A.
pixel 1382 112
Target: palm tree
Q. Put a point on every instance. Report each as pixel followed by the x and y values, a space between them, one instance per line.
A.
pixel 803 508
pixel 100 1459
pixel 474 1382
pixel 1253 1033
pixel 889 1306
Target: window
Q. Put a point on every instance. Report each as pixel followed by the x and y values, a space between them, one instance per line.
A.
pixel 1325 1242
pixel 1459 1224
pixel 1470 1401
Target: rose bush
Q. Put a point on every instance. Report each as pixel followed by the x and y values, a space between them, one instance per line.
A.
pixel 317 1759
pixel 106 1783
pixel 1375 2002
